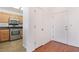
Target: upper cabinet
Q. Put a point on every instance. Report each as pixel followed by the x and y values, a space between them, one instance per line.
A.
pixel 20 19
pixel 5 17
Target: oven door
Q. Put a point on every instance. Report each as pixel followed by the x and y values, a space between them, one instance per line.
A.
pixel 15 34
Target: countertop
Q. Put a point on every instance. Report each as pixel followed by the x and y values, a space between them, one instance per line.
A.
pixel 9 27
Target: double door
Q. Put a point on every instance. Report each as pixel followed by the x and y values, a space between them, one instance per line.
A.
pixel 66 27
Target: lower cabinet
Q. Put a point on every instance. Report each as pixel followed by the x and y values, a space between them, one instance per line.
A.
pixel 4 35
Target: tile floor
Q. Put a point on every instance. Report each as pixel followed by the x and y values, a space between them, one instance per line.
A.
pixel 13 46
pixel 54 46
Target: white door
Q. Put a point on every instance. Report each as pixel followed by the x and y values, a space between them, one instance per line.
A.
pixel 33 26
pixel 60 27
pixel 38 32
pixel 43 27
pixel 73 38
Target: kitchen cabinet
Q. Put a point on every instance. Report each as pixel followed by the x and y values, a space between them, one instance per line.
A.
pixel 4 18
pixel 17 17
pixel 4 35
pixel 20 19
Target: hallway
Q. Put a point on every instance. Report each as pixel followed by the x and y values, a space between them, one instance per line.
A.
pixel 13 46
pixel 54 46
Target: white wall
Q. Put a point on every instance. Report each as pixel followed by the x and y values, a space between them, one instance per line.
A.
pixel 27 42
pixel 44 24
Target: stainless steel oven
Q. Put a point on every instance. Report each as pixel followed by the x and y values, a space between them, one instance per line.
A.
pixel 15 29
pixel 15 33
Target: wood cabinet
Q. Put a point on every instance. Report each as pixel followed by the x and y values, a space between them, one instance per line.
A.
pixel 4 17
pixel 20 19
pixel 4 34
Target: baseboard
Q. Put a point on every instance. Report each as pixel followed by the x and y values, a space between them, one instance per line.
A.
pixel 72 42
pixel 42 45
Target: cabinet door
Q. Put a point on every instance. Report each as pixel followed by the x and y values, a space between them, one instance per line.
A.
pixel 35 24
pixel 4 18
pixel 60 27
pixel 73 27
pixel 43 33
pixel 4 35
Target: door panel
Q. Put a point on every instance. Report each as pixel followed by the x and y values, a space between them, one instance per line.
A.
pixel 73 27
pixel 4 18
pixel 43 34
pixel 32 13
pixel 39 27
pixel 4 35
pixel 60 27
